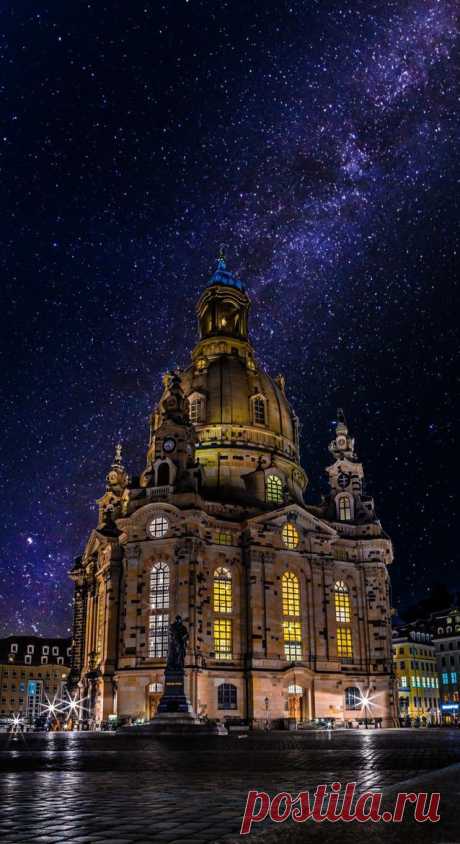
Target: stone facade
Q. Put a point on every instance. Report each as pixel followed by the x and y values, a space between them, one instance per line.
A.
pixel 287 605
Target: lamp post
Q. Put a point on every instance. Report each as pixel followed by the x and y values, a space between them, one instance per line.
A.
pixel 267 714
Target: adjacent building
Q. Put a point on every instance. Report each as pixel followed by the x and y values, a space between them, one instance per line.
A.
pixel 287 605
pixel 445 629
pixel 416 674
pixel 31 670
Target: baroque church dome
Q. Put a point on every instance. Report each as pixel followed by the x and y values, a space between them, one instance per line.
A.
pixel 243 420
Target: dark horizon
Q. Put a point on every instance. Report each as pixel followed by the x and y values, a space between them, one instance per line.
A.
pixel 323 152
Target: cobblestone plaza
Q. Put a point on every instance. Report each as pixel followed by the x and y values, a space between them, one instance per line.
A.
pixel 87 787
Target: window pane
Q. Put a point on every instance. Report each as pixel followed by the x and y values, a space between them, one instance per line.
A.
pixel 222 591
pixel 274 489
pixel 344 509
pixel 292 640
pixel 159 587
pixel 158 635
pixel 290 535
pixel 259 411
pixel 344 646
pixel 342 602
pixel 291 594
pixel 226 696
pixel 352 698
pixel 223 638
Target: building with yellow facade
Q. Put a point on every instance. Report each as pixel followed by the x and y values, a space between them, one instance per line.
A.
pixel 287 605
pixel 33 670
pixel 414 656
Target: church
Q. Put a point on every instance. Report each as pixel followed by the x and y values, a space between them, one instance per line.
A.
pixel 287 605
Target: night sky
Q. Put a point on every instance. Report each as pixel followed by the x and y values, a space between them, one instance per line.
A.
pixel 319 141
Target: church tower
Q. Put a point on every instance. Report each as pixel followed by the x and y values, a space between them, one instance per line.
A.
pixel 286 604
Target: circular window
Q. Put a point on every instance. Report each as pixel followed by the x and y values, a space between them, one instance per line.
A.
pixel 158 527
pixel 290 535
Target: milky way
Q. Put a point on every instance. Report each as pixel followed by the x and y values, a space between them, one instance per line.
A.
pixel 319 142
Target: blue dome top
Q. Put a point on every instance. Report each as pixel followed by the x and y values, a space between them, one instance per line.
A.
pixel 223 276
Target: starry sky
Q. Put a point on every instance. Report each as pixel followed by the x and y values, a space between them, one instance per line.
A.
pixel 319 141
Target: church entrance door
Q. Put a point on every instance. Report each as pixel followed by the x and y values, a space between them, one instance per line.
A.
pixel 154 697
pixel 296 703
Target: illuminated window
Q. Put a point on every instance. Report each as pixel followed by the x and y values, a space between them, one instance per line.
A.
pixel 158 527
pixel 344 646
pixel 445 679
pixel 344 509
pixel 222 591
pixel 223 638
pixel 403 682
pixel 290 535
pixel 293 689
pixel 158 635
pixel 352 698
pixel 155 688
pixel 274 489
pixel 159 619
pixel 292 640
pixel 453 677
pixel 196 410
pixel 159 587
pixel 226 696
pixel 292 632
pixel 291 594
pixel 100 622
pixel 342 602
pixel 259 411
pixel 224 538
pixel 201 364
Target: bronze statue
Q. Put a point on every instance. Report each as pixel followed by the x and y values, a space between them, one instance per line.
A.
pixel 178 637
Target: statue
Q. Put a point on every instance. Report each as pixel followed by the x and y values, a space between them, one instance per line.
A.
pixel 178 637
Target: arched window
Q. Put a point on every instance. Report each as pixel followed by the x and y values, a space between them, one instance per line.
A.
pixel 258 409
pixel 274 489
pixel 159 615
pixel 196 409
pixel 344 509
pixel 163 474
pixel 352 698
pixel 343 619
pixel 222 591
pixel 292 632
pixel 227 696
pixel 342 602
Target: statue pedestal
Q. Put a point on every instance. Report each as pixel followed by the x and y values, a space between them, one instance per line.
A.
pixel 174 700
pixel 175 714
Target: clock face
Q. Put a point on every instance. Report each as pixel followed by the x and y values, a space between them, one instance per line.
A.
pixel 343 480
pixel 169 444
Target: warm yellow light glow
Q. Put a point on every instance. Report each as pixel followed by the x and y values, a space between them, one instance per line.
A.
pixel 222 591
pixel 223 638
pixel 292 635
pixel 290 594
pixel 344 644
pixel 344 509
pixel 274 489
pixel 290 535
pixel 342 602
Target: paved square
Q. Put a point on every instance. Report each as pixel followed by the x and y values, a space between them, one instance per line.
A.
pixel 103 787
